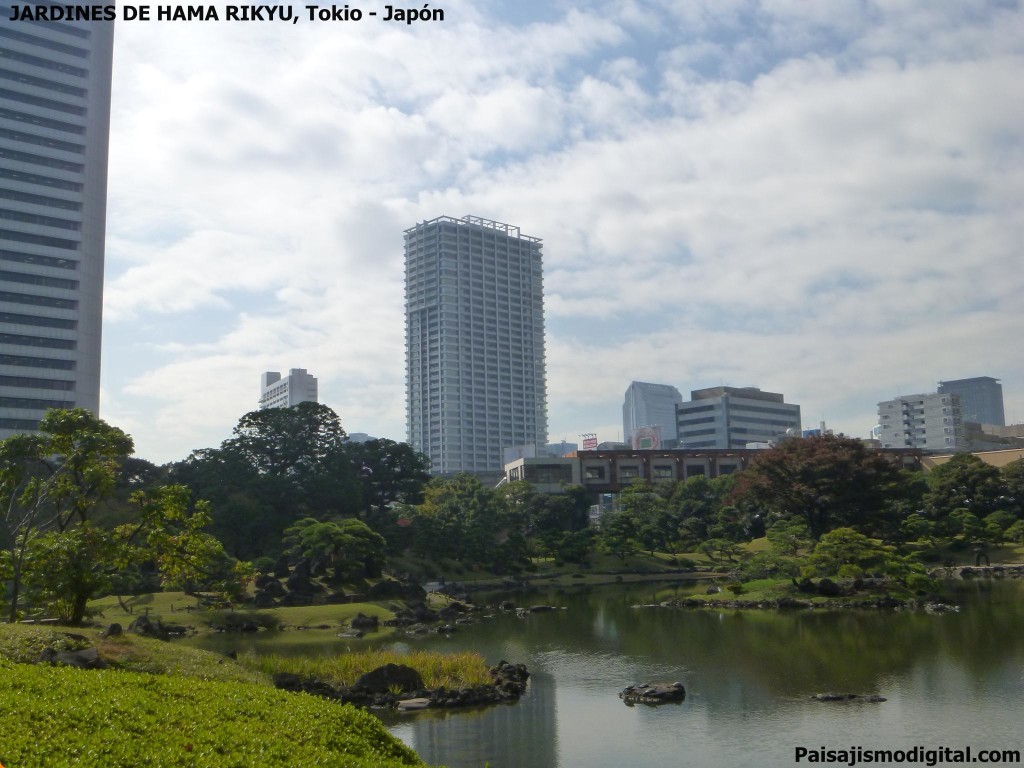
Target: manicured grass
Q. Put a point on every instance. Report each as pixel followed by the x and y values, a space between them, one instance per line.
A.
pixel 170 607
pixel 757 545
pixel 61 718
pixel 448 670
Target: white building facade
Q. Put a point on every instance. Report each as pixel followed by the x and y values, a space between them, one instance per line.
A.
pixel 297 387
pixel 475 370
pixel 733 417
pixel 54 131
pixel 932 422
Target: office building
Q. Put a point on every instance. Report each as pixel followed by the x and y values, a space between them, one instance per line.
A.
pixel 932 422
pixel 474 343
pixel 297 387
pixel 54 128
pixel 733 417
pixel 650 405
pixel 981 399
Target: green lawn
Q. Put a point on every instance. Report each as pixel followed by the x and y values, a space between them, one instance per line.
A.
pixel 171 608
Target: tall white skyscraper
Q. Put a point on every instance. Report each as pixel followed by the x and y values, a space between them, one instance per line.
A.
pixel 54 128
pixel 474 338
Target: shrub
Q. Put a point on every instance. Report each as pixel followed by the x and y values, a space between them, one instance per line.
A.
pixel 103 719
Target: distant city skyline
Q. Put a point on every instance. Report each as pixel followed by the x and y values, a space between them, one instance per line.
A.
pixel 785 195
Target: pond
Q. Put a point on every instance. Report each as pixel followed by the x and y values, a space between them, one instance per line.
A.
pixel 951 680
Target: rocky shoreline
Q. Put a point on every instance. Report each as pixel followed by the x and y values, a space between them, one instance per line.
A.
pixel 884 602
pixel 398 687
pixel 825 594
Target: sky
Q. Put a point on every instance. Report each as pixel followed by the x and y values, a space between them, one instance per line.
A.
pixel 822 199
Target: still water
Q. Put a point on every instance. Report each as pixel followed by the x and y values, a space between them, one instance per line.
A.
pixel 951 680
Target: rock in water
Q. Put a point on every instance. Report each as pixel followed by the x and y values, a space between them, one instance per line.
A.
pixel 871 698
pixel 653 693
pixel 389 677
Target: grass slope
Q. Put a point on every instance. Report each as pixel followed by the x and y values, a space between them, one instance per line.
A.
pixel 22 643
pixel 60 718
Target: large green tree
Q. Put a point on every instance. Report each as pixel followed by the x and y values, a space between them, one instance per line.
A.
pixel 1013 483
pixel 964 484
pixel 696 503
pixel 826 481
pixel 339 549
pixel 464 520
pixel 170 533
pixel 51 482
pixel 656 527
pixel 285 464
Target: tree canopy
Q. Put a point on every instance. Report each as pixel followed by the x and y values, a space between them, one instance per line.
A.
pixel 826 481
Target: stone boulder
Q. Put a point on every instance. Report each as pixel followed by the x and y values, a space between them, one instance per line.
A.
pixel 362 621
pixel 791 603
pixel 828 588
pixel 414 704
pixel 870 698
pixel 416 614
pixel 653 693
pixel 87 658
pixel 453 610
pixel 389 678
pixel 300 583
pixel 148 627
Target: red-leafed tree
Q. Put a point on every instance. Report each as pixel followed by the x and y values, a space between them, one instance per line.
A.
pixel 828 482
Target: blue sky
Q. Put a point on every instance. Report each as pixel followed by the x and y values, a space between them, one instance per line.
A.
pixel 821 199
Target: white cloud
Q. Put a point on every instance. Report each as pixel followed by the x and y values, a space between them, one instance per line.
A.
pixel 822 204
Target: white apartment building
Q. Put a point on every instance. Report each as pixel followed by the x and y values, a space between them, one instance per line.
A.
pixel 54 129
pixel 932 422
pixel 297 387
pixel 475 376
